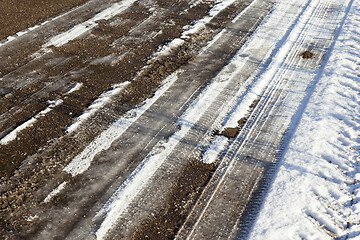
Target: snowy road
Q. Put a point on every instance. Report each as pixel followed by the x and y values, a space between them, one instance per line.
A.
pixel 159 120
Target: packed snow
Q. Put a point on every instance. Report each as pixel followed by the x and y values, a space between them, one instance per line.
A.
pixel 315 194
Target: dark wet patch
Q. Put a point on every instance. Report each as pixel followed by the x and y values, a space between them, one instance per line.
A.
pixel 18 58
pixel 181 198
pixel 307 54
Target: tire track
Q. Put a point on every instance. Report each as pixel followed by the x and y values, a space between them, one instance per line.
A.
pixel 219 196
pixel 58 157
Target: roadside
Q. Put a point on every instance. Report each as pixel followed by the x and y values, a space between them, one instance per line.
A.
pixel 315 194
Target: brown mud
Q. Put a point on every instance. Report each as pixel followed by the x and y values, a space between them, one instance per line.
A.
pixel 96 79
pixel 45 142
pixel 17 15
pixel 182 196
pixel 307 54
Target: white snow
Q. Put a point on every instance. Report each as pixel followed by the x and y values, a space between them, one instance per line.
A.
pixel 219 5
pixel 217 145
pixel 311 197
pixel 139 178
pixel 167 49
pixel 82 162
pixel 96 105
pixel 316 192
pixel 55 192
pixel 76 87
pixel 13 134
pixel 194 28
pixel 86 26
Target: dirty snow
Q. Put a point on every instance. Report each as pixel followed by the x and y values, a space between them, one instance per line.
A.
pixel 140 176
pixel 316 192
pixel 82 162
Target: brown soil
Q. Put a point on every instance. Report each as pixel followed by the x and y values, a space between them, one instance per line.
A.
pixel 230 132
pixel 242 121
pixel 96 79
pixel 181 198
pixel 17 15
pixel 254 103
pixel 307 54
pixel 17 199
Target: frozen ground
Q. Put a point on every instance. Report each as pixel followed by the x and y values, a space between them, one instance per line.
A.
pixel 183 124
pixel 316 193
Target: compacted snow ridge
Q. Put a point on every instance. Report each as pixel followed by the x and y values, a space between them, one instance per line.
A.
pixel 13 134
pixel 55 192
pixel 80 29
pixel 96 105
pixel 316 192
pixel 82 162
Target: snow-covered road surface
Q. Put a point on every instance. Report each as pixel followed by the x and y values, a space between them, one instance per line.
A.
pixel 190 117
pixel 315 194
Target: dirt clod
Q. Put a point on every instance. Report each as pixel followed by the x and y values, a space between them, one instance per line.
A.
pixel 307 54
pixel 230 132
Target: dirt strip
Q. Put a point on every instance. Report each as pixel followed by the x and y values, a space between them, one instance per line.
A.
pixel 77 56
pixel 181 198
pixel 17 15
pixel 73 64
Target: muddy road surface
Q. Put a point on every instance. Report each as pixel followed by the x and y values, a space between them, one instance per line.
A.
pixel 149 119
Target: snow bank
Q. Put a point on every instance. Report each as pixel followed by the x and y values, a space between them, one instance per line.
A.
pixel 316 192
